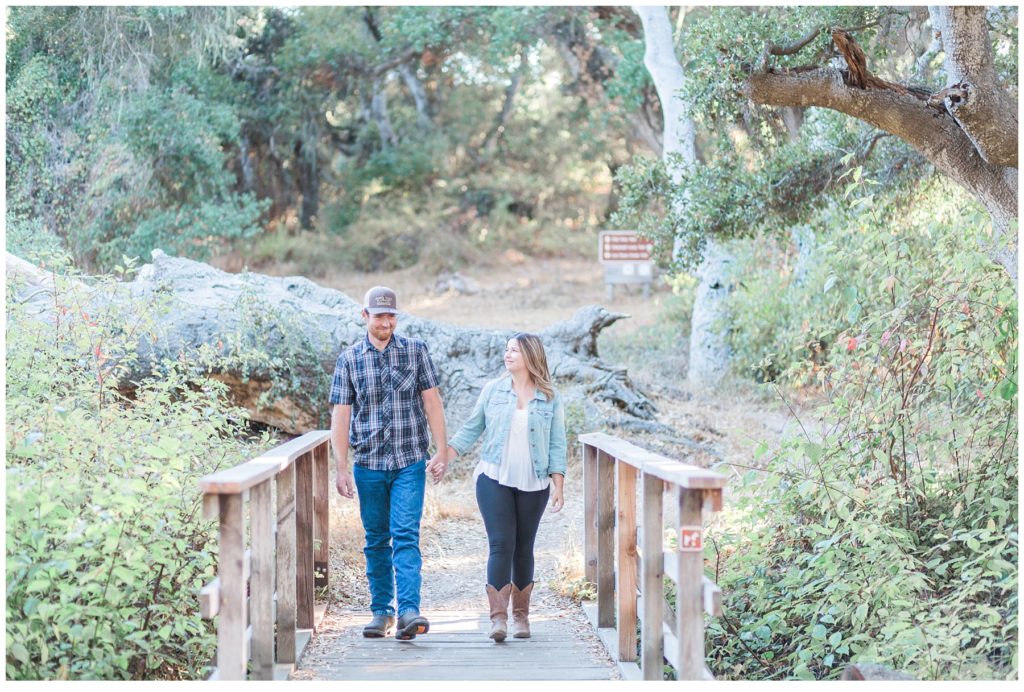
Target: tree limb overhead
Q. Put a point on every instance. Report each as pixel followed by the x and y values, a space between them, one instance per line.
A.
pixel 974 143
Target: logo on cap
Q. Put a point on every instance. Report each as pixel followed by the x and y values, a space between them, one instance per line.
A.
pixel 380 299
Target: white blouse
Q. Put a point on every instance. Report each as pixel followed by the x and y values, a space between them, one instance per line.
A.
pixel 516 467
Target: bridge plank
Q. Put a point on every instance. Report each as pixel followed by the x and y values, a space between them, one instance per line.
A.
pixel 590 513
pixel 321 515
pixel 231 646
pixel 457 648
pixel 653 582
pixel 304 541
pixel 605 540
pixel 689 593
pixel 261 585
pixel 286 608
pixel 626 588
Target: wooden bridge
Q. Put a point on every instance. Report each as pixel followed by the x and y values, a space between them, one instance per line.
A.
pixel 264 594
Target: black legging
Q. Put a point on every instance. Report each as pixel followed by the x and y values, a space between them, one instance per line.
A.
pixel 511 517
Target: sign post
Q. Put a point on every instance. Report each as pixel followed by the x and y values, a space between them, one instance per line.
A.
pixel 627 259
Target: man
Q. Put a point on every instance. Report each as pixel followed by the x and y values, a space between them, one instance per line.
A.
pixel 384 396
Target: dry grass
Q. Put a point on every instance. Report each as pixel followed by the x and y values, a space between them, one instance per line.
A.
pixel 569 580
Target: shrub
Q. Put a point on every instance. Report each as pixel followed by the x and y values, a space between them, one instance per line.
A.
pixel 106 546
pixel 888 531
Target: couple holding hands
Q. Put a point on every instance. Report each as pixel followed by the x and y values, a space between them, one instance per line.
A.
pixel 385 398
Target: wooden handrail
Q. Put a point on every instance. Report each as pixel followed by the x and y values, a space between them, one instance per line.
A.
pixel 240 478
pixel 653 464
pixel 630 577
pixel 263 592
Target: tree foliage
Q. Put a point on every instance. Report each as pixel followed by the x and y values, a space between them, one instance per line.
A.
pixel 187 129
pixel 769 166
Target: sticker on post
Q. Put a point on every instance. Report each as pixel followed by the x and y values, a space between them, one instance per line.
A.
pixel 691 538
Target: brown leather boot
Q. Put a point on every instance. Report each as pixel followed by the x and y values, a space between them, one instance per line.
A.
pixel 498 601
pixel 521 611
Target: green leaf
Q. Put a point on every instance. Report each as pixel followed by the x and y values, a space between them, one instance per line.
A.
pixel 835 638
pixel 20 652
pixel 818 631
pixel 813 451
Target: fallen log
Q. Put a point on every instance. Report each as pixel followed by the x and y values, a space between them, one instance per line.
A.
pixel 277 339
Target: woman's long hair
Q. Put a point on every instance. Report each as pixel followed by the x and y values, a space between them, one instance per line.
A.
pixel 536 362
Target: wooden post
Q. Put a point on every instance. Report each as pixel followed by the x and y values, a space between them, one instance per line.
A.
pixel 231 646
pixel 286 566
pixel 625 620
pixel 653 580
pixel 321 515
pixel 690 589
pixel 261 599
pixel 304 541
pixel 590 513
pixel 605 540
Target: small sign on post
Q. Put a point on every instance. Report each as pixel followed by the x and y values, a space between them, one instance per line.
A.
pixel 691 539
pixel 627 259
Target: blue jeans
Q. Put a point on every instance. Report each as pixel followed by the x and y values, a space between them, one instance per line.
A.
pixel 391 505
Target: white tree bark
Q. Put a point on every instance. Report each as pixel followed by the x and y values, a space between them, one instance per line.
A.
pixel 664 68
pixel 419 95
pixel 379 110
pixel 709 348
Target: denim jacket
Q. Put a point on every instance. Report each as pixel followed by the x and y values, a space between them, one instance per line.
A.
pixel 492 417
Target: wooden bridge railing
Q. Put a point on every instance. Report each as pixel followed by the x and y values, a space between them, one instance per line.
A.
pixel 268 587
pixel 623 571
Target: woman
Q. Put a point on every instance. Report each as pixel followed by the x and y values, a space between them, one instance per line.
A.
pixel 522 463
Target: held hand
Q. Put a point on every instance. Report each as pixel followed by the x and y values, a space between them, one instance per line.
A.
pixel 556 499
pixel 346 484
pixel 438 466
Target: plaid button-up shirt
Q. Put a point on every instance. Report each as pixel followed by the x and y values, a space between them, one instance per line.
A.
pixel 389 427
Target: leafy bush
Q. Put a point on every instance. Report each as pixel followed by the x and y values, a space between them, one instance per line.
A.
pixel 29 239
pixel 888 532
pixel 106 546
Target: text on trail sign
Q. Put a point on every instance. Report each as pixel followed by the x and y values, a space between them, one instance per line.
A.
pixel 623 246
pixel 691 538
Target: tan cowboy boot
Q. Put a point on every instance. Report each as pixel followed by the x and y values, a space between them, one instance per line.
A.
pixel 498 601
pixel 521 611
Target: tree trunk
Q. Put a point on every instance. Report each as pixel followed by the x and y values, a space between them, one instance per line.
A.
pixel 419 95
pixel 486 149
pixel 709 349
pixel 379 111
pixel 308 175
pixel 709 345
pixel 277 340
pixel 413 83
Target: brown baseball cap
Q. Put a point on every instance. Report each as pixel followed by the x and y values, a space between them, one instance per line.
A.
pixel 379 300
